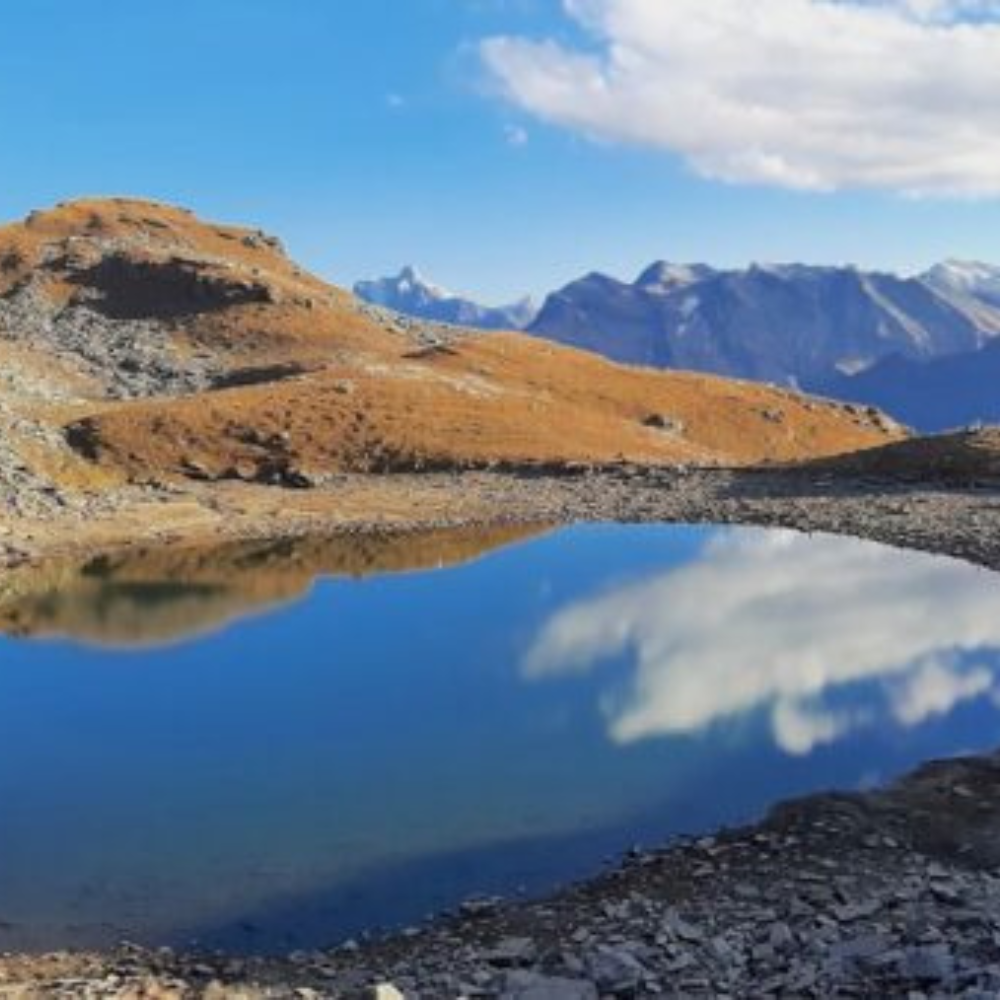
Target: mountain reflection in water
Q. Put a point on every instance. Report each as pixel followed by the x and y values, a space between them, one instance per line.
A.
pixel 276 744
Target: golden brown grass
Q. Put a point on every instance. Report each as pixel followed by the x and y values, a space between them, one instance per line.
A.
pixel 372 401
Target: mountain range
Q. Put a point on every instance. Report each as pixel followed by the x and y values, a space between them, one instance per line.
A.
pixel 410 293
pixel 920 347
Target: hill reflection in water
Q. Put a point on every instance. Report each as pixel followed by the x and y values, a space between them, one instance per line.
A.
pixel 156 596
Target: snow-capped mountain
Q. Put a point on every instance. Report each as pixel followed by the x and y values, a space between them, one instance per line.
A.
pixel 787 323
pixel 409 292
pixel 969 279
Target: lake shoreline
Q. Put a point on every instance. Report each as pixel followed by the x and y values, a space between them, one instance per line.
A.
pixel 932 516
pixel 876 893
pixel 871 894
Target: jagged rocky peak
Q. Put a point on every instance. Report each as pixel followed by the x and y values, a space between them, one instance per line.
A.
pixel 972 278
pixel 789 323
pixel 666 275
pixel 408 287
pixel 411 293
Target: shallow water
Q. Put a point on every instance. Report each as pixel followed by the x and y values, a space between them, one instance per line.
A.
pixel 275 746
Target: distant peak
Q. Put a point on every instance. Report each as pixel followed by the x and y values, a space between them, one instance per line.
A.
pixel 666 274
pixel 411 278
pixel 411 293
pixel 966 268
pixel 965 277
pixel 411 274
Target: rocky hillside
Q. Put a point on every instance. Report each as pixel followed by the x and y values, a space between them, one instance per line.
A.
pixel 790 324
pixel 963 459
pixel 142 345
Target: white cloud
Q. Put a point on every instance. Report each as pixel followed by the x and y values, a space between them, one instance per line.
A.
pixel 812 94
pixel 782 623
pixel 936 689
pixel 799 729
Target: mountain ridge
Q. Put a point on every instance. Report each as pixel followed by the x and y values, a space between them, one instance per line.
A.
pixel 788 323
pixel 410 293
pixel 933 394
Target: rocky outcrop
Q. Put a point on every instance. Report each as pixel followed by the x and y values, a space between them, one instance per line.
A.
pixel 127 286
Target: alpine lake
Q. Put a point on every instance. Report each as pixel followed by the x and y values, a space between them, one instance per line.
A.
pixel 268 746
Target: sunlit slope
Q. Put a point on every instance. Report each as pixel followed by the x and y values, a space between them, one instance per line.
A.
pixel 178 347
pixel 493 399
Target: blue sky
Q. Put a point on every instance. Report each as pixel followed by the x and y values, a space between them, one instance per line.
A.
pixel 369 134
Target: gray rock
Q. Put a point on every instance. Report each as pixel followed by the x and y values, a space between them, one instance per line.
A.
pixel 677 927
pixel 534 986
pixel 479 907
pixel 857 911
pixel 512 951
pixel 860 949
pixel 781 937
pixel 615 970
pixel 931 964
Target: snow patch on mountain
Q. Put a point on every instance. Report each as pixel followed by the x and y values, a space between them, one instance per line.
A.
pixel 971 278
pixel 411 293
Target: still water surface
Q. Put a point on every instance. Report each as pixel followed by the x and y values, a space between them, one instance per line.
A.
pixel 277 745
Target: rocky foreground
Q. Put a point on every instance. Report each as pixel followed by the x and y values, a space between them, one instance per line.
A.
pixel 872 895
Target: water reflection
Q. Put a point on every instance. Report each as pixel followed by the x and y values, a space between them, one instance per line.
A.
pixel 375 749
pixel 788 624
pixel 153 596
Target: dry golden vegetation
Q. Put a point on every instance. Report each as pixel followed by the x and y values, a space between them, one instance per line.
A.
pixel 232 362
pixel 496 399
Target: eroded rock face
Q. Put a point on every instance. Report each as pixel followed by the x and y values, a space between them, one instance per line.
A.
pixel 130 358
pixel 145 300
pixel 126 287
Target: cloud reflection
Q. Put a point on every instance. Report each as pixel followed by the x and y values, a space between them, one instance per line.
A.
pixel 785 623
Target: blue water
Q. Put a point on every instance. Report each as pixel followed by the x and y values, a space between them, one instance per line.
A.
pixel 378 749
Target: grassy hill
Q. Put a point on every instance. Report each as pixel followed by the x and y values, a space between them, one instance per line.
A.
pixel 163 347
